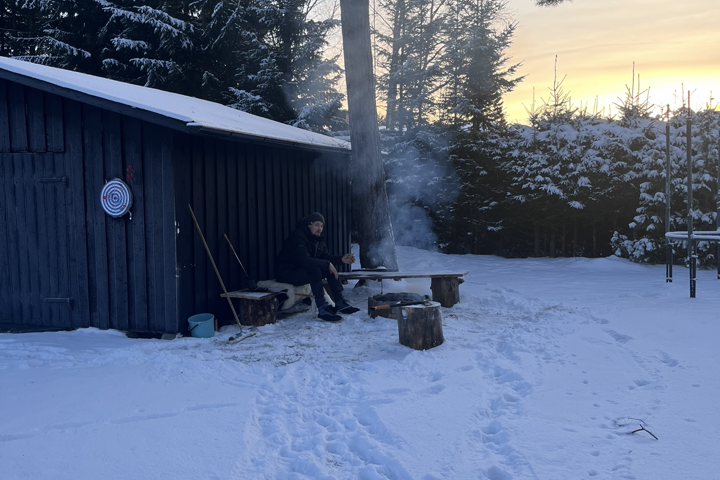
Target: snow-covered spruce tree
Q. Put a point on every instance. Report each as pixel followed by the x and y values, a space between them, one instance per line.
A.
pixel 478 75
pixel 477 67
pixel 262 56
pixel 421 184
pixel 280 70
pixel 153 46
pixel 58 33
pixel 575 175
pixel 465 41
pixel 647 242
pixel 312 88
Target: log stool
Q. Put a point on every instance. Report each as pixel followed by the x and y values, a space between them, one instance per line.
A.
pixel 256 308
pixel 446 290
pixel 420 326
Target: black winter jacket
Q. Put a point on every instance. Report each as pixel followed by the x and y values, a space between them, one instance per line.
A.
pixel 302 250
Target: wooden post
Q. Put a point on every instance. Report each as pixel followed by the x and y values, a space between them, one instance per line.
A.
pixel 692 259
pixel 445 290
pixel 668 196
pixel 258 312
pixel 420 326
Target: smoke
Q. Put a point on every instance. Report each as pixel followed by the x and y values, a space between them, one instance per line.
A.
pixel 421 185
pixel 380 253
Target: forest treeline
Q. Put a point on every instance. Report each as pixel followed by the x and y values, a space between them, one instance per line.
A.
pixel 568 182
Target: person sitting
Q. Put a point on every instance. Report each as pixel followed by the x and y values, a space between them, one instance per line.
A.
pixel 304 258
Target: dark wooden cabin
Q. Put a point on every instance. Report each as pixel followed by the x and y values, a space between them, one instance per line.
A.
pixel 65 263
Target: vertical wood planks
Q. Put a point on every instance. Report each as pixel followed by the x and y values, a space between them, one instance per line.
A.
pixel 4 119
pixel 200 260
pixel 135 233
pixel 221 210
pixel 35 120
pixel 232 282
pixel 243 237
pixel 209 215
pixel 6 297
pixel 18 120
pixel 182 167
pixel 140 274
pixel 167 233
pixel 96 217
pixel 77 225
pixel 117 264
pixel 253 214
pixel 54 130
pixel 14 267
pixel 261 231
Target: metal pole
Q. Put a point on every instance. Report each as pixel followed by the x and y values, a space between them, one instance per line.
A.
pixel 668 175
pixel 691 238
pixel 717 217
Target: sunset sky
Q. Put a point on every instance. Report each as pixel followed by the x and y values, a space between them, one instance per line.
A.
pixel 672 42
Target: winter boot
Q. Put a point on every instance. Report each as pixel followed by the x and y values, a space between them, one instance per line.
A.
pixel 326 314
pixel 341 306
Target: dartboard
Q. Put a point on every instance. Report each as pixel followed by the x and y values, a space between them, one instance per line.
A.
pixel 116 198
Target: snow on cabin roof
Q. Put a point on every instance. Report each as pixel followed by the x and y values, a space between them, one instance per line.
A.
pixel 197 115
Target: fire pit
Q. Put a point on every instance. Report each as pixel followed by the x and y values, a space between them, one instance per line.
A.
pixel 389 299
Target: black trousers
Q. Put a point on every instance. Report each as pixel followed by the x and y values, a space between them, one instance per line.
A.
pixel 314 276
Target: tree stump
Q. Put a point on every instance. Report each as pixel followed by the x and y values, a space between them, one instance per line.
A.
pixel 420 326
pixel 258 312
pixel 445 290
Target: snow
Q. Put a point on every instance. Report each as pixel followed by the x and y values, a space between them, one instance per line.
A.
pixel 548 366
pixel 191 111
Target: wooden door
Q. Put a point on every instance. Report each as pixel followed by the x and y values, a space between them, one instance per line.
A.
pixel 35 252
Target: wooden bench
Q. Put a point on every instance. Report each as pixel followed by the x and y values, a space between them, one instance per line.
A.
pixel 445 286
pixel 260 308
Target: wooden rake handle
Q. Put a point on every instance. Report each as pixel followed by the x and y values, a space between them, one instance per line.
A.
pixel 222 284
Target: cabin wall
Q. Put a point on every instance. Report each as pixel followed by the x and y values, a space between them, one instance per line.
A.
pixel 64 262
pixel 255 194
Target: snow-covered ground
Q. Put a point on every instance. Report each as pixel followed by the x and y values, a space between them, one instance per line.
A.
pixel 548 366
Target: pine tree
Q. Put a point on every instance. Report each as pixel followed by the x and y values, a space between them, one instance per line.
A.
pixel 477 65
pixel 261 56
pixel 648 244
pixel 53 32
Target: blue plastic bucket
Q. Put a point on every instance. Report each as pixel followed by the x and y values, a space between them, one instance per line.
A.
pixel 202 325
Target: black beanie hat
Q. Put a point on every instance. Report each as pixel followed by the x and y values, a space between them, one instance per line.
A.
pixel 315 217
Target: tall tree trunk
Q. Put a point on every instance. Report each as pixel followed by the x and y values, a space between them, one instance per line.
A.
pixel 370 201
pixel 574 238
pixel 398 21
pixel 551 249
pixel 594 239
pixel 536 242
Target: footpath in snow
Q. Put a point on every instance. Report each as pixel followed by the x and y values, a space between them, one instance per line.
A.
pixel 548 366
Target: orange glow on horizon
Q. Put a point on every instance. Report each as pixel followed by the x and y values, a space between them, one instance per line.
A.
pixel 596 44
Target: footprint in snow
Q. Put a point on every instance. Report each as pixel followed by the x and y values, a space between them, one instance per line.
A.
pixel 619 337
pixel 668 360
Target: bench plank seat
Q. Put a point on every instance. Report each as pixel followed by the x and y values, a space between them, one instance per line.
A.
pixel 385 275
pixel 445 286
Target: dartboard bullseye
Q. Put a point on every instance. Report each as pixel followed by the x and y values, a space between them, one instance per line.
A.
pixel 116 198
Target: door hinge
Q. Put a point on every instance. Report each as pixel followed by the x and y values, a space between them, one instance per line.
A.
pixel 60 300
pixel 63 179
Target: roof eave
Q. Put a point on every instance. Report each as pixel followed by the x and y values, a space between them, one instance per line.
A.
pixel 153 117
